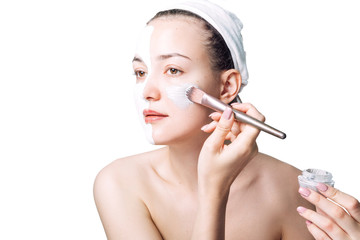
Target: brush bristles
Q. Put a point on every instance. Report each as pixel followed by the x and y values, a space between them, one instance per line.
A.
pixel 194 94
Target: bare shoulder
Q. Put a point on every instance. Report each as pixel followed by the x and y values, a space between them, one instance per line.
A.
pixel 131 170
pixel 118 190
pixel 279 185
pixel 279 178
pixel 277 172
pixel 126 176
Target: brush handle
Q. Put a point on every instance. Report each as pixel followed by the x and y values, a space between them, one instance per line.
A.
pixel 217 105
pixel 242 117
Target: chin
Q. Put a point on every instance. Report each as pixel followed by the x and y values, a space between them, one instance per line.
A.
pixel 175 137
pixel 163 140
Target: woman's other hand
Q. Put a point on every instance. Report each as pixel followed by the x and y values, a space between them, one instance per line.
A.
pixel 337 216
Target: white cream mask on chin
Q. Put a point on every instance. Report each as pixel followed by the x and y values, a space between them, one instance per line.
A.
pixel 143 52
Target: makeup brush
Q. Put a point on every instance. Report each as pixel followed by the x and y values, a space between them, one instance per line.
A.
pixel 196 95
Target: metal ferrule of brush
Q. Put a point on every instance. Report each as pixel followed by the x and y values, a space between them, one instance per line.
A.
pixel 217 105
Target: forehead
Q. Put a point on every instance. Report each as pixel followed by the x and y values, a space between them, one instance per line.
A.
pixel 179 34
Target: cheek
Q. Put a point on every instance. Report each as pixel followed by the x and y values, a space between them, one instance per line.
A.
pixel 177 94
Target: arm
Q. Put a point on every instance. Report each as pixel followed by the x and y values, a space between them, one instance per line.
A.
pixel 218 167
pixel 123 214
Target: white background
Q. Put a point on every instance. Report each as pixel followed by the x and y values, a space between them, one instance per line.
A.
pixel 66 104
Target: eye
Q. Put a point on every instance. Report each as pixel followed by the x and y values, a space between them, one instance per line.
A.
pixel 139 74
pixel 174 71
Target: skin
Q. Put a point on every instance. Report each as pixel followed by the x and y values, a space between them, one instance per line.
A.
pixel 196 187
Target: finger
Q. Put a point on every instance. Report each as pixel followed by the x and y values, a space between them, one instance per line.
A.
pixel 350 203
pixel 316 232
pixel 325 224
pixel 335 212
pixel 215 116
pixel 249 109
pixel 231 136
pixel 209 128
pixel 248 132
pixel 236 128
pixel 216 140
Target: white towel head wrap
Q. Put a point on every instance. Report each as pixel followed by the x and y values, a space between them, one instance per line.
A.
pixel 227 24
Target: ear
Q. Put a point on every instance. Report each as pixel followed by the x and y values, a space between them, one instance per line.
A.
pixel 230 85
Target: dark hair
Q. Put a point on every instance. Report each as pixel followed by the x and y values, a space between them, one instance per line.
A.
pixel 219 53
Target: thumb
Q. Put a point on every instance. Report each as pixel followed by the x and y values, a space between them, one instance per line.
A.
pixel 216 140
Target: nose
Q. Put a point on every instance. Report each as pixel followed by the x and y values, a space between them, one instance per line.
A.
pixel 151 90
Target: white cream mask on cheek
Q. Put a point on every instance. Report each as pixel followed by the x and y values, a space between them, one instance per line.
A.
pixel 176 93
pixel 143 52
pixel 141 105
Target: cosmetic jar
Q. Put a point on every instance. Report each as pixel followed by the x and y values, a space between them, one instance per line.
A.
pixel 311 177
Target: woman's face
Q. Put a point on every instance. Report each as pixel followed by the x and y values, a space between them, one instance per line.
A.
pixel 170 57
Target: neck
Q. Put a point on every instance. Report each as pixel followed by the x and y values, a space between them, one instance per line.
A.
pixel 183 162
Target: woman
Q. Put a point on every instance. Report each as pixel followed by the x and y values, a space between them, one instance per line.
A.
pixel 196 187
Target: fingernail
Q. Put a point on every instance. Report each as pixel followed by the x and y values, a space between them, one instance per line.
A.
pixel 227 113
pixel 322 187
pixel 304 192
pixel 204 127
pixel 301 210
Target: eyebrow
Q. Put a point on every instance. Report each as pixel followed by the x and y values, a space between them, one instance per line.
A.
pixel 171 55
pixel 162 57
pixel 137 59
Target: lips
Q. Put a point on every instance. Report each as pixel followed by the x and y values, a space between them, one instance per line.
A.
pixel 151 116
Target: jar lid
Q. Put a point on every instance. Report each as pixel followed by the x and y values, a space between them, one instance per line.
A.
pixel 311 177
pixel 317 175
